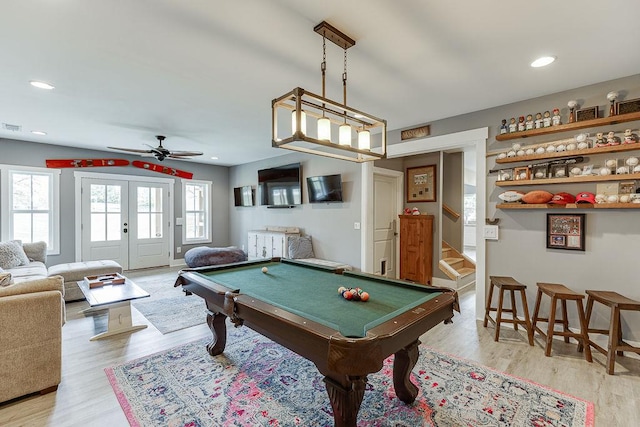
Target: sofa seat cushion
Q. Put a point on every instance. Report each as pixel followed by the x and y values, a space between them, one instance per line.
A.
pixel 76 271
pixel 202 256
pixel 31 271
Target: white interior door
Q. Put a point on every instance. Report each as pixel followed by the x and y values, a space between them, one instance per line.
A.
pixel 149 226
pixel 105 220
pixel 385 220
pixel 125 221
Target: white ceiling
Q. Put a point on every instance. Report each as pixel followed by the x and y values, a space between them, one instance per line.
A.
pixel 204 72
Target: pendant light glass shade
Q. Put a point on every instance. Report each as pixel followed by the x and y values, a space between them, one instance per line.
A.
pixel 324 129
pixel 344 136
pixel 303 122
pixel 364 140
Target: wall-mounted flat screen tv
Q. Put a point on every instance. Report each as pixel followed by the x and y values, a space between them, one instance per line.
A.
pixel 280 186
pixel 324 189
pixel 244 196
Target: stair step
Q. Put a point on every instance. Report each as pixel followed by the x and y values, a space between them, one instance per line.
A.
pixel 465 271
pixel 454 261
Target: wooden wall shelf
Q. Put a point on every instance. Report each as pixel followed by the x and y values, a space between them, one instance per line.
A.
pixel 569 206
pixel 569 180
pixel 596 150
pixel 621 118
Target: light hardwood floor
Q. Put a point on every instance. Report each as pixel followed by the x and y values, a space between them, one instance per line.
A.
pixel 85 398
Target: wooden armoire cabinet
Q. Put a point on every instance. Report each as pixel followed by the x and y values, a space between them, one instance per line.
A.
pixel 416 248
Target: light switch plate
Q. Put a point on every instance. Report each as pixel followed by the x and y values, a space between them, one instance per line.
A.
pixel 490 232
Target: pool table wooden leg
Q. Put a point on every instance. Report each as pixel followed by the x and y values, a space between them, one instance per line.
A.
pixel 403 363
pixel 346 398
pixel 218 326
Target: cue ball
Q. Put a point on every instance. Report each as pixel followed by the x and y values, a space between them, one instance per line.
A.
pixel 265 269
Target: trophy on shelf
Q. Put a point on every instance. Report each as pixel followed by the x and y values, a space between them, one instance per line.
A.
pixel 612 96
pixel 572 106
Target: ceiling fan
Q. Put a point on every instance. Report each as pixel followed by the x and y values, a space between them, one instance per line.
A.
pixel 160 152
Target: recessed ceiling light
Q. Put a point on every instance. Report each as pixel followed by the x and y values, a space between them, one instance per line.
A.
pixel 214 158
pixel 38 132
pixel 41 85
pixel 543 61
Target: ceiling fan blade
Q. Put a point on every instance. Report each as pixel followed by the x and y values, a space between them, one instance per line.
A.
pixel 131 150
pixel 185 153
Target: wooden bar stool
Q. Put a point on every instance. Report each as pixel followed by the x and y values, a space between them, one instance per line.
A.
pixel 563 294
pixel 616 303
pixel 510 285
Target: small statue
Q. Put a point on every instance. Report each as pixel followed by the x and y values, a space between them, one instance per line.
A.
pixel 528 125
pixel 612 139
pixel 521 123
pixel 555 120
pixel 629 138
pixel 538 121
pixel 600 141
pixel 546 120
pixel 503 127
pixel 513 127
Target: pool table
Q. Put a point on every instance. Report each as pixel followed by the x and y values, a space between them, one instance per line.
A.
pixel 298 306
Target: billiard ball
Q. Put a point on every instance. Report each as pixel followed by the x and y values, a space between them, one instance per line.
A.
pixel 265 269
pixel 341 289
pixel 347 295
pixel 364 296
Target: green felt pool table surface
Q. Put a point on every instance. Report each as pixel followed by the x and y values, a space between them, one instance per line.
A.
pixel 312 293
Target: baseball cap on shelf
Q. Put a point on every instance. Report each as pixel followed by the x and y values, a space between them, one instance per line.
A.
pixel 562 199
pixel 586 197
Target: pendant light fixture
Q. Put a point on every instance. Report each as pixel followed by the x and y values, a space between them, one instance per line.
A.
pixel 302 105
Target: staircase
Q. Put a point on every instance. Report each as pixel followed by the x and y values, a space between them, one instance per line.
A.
pixel 458 267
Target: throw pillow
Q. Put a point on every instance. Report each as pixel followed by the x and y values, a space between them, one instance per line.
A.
pixel 12 255
pixel 36 251
pixel 300 247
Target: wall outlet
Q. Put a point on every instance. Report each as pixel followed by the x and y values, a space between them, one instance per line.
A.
pixel 179 249
pixel 179 221
pixel 356 226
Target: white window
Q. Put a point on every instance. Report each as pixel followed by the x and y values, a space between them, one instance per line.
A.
pixel 196 211
pixel 31 205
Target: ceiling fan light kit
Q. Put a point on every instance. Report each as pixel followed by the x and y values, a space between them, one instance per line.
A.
pixel 160 152
pixel 356 130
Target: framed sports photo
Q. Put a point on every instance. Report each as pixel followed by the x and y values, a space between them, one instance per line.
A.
pixel 421 184
pixel 566 231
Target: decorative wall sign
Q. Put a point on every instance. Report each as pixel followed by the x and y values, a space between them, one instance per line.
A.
pixel 420 132
pixel 586 114
pixel 630 106
pixel 566 231
pixel 421 184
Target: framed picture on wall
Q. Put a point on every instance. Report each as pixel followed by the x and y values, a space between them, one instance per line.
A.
pixel 566 231
pixel 421 184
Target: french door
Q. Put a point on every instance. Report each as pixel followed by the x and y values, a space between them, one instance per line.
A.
pixel 125 221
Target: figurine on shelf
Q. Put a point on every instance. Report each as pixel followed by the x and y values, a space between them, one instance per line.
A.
pixel 629 138
pixel 538 121
pixel 503 127
pixel 513 126
pixel 572 106
pixel 546 119
pixel 600 140
pixel 612 139
pixel 528 125
pixel 521 123
pixel 555 120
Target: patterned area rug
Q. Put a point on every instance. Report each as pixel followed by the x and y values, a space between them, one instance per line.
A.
pixel 259 383
pixel 168 308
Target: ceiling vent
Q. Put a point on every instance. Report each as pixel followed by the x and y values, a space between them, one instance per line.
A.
pixel 13 128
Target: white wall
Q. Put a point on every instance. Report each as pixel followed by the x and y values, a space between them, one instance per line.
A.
pixel 331 225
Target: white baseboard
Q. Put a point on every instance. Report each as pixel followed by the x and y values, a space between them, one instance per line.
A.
pixel 177 263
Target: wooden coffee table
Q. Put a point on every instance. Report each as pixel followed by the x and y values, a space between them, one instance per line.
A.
pixel 117 299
